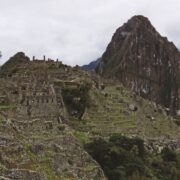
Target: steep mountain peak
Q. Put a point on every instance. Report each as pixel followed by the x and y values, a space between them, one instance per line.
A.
pixel 136 23
pixel 145 61
pixel 140 19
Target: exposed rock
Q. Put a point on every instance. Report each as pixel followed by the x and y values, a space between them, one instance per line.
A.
pixel 38 156
pixel 24 174
pixel 4 178
pixel 11 65
pixel 133 107
pixel 144 61
pixel 36 148
pixel 178 113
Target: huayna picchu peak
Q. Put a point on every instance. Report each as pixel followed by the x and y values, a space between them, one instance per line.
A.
pixel 120 122
pixel 143 60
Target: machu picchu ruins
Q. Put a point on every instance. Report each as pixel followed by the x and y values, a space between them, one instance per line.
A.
pixel 118 121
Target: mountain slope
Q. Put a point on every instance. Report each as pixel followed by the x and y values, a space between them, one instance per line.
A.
pixel 144 61
pixel 36 142
pixel 92 65
pixel 50 111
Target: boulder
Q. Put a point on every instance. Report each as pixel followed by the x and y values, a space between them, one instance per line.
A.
pixel 133 107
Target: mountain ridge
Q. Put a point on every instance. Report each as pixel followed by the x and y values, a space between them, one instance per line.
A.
pixel 140 58
pixel 92 65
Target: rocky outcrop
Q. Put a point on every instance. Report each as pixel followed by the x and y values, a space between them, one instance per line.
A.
pixel 13 63
pixel 145 61
pixel 47 154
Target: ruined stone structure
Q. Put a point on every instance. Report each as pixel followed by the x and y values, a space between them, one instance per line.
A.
pixel 35 140
pixel 144 61
pixel 34 87
pixel 37 100
pixel 40 131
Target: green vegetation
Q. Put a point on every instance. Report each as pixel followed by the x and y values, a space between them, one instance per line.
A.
pixel 82 137
pixel 61 127
pixel 126 158
pixel 10 106
pixel 76 99
pixel 109 113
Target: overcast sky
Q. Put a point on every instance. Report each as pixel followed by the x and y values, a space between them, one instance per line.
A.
pixel 77 31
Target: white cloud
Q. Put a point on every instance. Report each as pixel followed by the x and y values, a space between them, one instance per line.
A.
pixel 76 31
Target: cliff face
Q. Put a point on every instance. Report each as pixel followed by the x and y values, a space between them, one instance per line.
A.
pixel 145 61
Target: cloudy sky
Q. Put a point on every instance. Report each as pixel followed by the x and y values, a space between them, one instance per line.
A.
pixel 76 31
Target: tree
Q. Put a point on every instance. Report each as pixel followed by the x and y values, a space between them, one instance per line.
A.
pixel 168 155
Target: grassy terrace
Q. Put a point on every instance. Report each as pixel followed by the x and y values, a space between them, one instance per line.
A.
pixel 105 115
pixel 109 114
pixel 8 106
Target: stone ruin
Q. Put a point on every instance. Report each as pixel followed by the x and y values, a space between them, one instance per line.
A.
pixel 36 94
pixel 37 100
pixel 46 60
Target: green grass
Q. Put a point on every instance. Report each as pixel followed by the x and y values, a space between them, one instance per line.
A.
pixel 89 167
pixel 45 167
pixel 9 106
pixel 82 137
pixel 111 114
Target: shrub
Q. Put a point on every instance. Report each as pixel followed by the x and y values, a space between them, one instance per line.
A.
pixel 168 155
pixel 76 99
pixel 118 156
pixel 126 158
